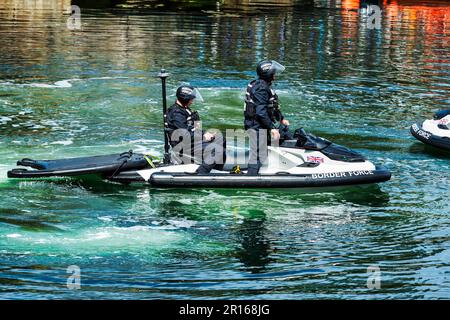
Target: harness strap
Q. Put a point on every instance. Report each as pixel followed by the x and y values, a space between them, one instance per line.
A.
pixel 149 159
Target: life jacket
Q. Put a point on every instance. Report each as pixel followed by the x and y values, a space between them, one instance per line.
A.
pixel 273 106
pixel 192 117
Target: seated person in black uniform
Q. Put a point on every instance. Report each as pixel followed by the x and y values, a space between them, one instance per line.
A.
pixel 210 148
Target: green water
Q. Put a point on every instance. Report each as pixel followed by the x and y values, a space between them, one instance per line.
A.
pixel 70 93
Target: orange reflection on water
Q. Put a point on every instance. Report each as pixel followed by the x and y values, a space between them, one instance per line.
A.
pixel 428 24
pixel 429 21
pixel 350 4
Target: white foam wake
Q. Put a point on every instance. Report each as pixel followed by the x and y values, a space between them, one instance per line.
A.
pixel 3 172
pixel 94 240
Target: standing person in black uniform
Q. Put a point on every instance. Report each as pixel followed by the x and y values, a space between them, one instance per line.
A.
pixel 262 112
pixel 181 116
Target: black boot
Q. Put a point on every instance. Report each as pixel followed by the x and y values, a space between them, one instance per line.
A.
pixel 203 169
pixel 252 171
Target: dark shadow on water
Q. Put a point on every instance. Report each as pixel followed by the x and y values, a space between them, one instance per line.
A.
pixel 418 148
pixel 21 218
pixel 255 246
pixel 29 224
pixel 91 183
pixel 372 196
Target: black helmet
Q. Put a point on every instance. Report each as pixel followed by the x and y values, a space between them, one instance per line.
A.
pixel 185 94
pixel 266 69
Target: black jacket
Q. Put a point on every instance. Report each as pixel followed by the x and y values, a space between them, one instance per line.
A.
pixel 179 117
pixel 261 110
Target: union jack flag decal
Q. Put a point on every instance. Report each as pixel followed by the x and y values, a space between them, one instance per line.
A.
pixel 314 159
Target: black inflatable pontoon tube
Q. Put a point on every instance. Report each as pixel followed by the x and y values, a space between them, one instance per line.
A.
pixel 282 180
pixel 428 138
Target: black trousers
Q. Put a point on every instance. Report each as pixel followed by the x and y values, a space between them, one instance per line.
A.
pixel 259 139
pixel 210 155
pixel 258 148
pixel 213 154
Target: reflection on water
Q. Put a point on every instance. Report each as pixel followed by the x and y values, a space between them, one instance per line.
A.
pixel 255 249
pixel 409 51
pixel 92 91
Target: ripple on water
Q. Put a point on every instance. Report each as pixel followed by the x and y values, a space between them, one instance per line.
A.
pixel 361 88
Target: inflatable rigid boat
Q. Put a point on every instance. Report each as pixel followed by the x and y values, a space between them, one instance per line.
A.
pixel 303 163
pixel 434 132
pixel 306 162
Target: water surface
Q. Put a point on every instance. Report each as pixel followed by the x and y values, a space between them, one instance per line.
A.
pixel 93 91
